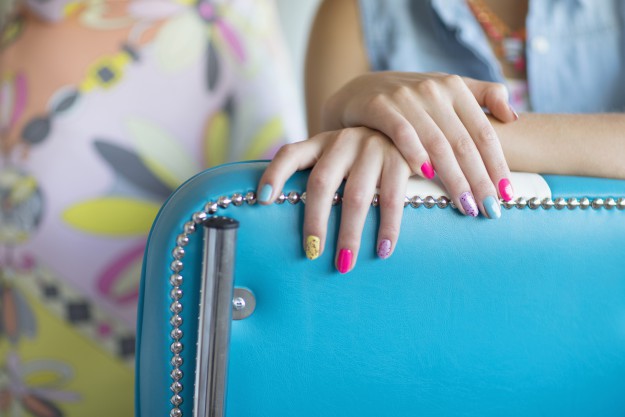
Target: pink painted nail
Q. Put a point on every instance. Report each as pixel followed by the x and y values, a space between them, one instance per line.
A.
pixel 384 249
pixel 428 170
pixel 505 189
pixel 468 204
pixel 344 261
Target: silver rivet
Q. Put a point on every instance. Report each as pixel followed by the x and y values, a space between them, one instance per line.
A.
pixel 546 203
pixel 572 203
pixel 336 199
pixel 416 201
pixel 281 199
pixel 293 197
pixel 176 307
pixel 178 252
pixel 176 320
pixel 238 303
pixel 243 304
pixel 189 227
pixel 182 240
pixel 609 203
pixel 211 208
pixel 584 203
pixel 620 203
pixel 176 374
pixel 176 400
pixel 176 266
pixel 508 204
pixel 223 201
pixel 559 203
pixel 176 347
pixel 406 201
pixel 521 203
pixel 429 201
pixel 442 202
pixel 176 280
pixel 176 412
pixel 237 199
pixel 176 387
pixel 176 334
pixel 533 203
pixel 175 293
pixel 303 197
pixel 177 361
pixel 250 198
pixel 597 203
pixel 199 217
pixel 375 201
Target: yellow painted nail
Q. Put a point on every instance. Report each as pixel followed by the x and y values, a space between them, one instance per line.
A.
pixel 313 247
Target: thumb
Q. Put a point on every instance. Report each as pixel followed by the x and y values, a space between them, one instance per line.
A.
pixel 494 97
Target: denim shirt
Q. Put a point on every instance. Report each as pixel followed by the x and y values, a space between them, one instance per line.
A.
pixel 575 48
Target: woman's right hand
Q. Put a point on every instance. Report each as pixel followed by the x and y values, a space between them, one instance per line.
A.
pixel 435 120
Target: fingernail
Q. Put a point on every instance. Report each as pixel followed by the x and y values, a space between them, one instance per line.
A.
pixel 384 249
pixel 344 262
pixel 505 189
pixel 428 170
pixel 265 193
pixel 313 247
pixel 468 204
pixel 491 205
pixel 516 115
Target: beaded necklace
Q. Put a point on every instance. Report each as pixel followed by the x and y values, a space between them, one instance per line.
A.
pixel 508 44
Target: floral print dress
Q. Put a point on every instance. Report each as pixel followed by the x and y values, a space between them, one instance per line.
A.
pixel 106 106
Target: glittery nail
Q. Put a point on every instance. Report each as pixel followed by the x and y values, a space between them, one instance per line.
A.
pixel 313 247
pixel 468 204
pixel 505 189
pixel 384 249
pixel 344 261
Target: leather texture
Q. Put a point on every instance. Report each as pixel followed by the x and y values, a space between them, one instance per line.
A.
pixel 524 316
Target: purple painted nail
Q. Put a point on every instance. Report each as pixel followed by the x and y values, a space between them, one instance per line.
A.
pixel 468 204
pixel 384 249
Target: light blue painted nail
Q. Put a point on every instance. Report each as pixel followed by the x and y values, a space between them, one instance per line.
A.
pixel 265 193
pixel 491 205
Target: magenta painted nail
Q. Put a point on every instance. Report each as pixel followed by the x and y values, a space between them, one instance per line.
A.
pixel 428 170
pixel 384 249
pixel 468 204
pixel 505 189
pixel 344 262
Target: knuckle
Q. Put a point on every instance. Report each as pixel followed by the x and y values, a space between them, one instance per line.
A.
pixel 486 136
pixel 438 148
pixel 286 151
pixel 356 199
pixel 402 93
pixel 463 146
pixel 318 181
pixel 453 81
pixel 429 89
pixel 403 134
pixel 376 103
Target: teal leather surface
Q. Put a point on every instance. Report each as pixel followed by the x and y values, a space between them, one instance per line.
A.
pixel 524 316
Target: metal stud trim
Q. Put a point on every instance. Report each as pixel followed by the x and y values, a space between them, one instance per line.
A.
pixel 238 199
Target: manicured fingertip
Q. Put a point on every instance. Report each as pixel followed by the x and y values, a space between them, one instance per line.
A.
pixel 514 113
pixel 428 170
pixel 492 208
pixel 468 204
pixel 313 247
pixel 344 260
pixel 264 195
pixel 384 249
pixel 505 189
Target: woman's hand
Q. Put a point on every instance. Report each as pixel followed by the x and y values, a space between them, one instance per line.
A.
pixel 366 159
pixel 435 120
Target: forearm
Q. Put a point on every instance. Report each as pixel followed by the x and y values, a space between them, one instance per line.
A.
pixel 567 144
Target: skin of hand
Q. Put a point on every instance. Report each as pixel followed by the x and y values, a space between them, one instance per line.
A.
pixel 365 158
